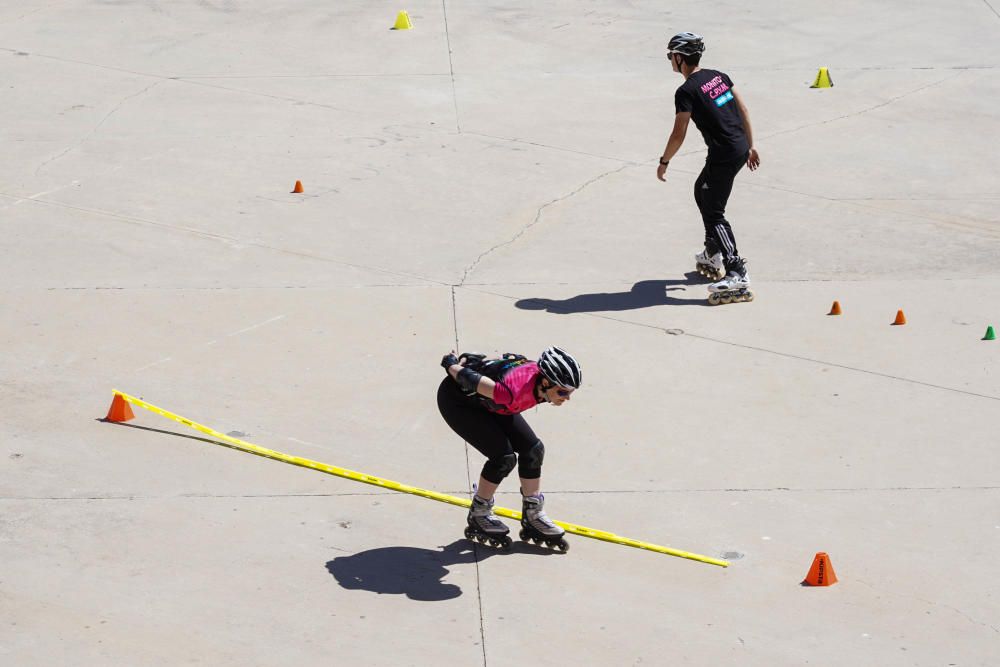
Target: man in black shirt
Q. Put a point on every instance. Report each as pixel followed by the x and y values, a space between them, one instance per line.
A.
pixel 710 99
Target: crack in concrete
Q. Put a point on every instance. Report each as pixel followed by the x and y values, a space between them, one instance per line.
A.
pixel 538 216
pixel 193 82
pixel 536 144
pixel 97 127
pixel 471 486
pixel 931 603
pixel 789 355
pixel 984 228
pixel 32 12
pixel 465 492
pixel 230 240
pixel 890 68
pixel 844 367
pixel 317 75
pixel 861 112
pixel 603 284
pixel 215 288
pixel 454 92
pixel 992 8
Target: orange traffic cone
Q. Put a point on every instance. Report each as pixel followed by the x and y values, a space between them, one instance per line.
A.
pixel 821 573
pixel 835 309
pixel 120 410
pixel 900 318
pixel 298 188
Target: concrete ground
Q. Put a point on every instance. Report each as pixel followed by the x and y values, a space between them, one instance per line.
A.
pixel 486 181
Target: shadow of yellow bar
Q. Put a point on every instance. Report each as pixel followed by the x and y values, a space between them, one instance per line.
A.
pixel 251 448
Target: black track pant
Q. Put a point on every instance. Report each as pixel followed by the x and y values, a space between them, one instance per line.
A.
pixel 711 193
pixel 497 437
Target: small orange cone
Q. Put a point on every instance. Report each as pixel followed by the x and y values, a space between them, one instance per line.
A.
pixel 900 318
pixel 120 410
pixel 821 573
pixel 835 309
pixel 298 188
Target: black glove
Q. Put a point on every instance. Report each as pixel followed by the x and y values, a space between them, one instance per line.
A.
pixel 472 359
pixel 448 360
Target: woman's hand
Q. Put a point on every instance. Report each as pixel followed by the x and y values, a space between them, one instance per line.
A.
pixel 449 360
pixel 473 357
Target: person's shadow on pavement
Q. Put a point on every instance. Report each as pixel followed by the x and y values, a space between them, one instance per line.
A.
pixel 414 572
pixel 644 294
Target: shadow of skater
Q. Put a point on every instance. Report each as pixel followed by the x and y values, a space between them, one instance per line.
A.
pixel 644 294
pixel 411 571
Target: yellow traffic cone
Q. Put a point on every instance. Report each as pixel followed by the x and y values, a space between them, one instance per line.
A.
pixel 822 79
pixel 402 21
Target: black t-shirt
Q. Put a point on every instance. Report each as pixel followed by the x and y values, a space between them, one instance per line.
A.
pixel 708 96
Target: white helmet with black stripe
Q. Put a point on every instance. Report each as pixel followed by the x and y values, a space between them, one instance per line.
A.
pixel 560 368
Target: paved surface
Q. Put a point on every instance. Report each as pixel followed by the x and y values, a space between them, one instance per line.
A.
pixel 486 181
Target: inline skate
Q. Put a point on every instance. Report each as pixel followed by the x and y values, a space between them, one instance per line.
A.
pixel 734 287
pixel 537 527
pixel 710 266
pixel 484 526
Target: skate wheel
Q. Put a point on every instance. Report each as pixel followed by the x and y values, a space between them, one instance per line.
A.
pixel 481 539
pixel 505 543
pixel 726 299
pixel 469 534
pixel 713 299
pixel 563 546
pixel 523 535
pixel 748 297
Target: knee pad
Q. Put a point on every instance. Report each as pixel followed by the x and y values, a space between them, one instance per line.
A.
pixel 535 455
pixel 497 469
pixel 531 461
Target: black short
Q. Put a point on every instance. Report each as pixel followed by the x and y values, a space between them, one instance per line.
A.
pixel 493 435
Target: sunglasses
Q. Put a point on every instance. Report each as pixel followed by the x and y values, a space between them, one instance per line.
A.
pixel 564 392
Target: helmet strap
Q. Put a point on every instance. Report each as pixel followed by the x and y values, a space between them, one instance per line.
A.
pixel 540 390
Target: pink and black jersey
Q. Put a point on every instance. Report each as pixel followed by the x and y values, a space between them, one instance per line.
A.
pixel 515 391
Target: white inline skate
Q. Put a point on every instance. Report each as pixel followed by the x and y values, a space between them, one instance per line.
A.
pixel 710 266
pixel 734 287
pixel 484 526
pixel 537 527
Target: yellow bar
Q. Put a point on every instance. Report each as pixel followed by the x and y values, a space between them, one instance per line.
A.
pixel 251 448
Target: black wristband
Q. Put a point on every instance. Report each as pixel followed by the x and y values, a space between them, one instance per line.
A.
pixel 664 163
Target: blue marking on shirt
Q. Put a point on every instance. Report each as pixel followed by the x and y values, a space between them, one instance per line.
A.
pixel 722 99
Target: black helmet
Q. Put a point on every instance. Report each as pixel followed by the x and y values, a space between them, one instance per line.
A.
pixel 560 368
pixel 687 43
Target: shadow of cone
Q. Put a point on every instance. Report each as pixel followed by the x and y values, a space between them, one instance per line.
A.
pixel 120 410
pixel 900 318
pixel 835 308
pixel 298 188
pixel 821 573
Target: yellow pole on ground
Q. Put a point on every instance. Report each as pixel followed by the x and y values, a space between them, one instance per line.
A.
pixel 251 448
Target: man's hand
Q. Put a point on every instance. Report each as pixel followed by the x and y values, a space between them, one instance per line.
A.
pixel 661 171
pixel 753 159
pixel 449 360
